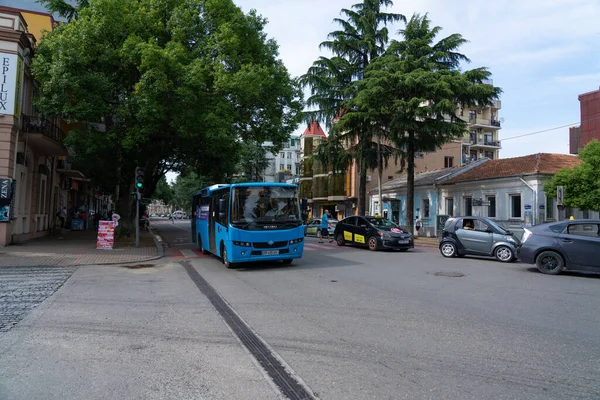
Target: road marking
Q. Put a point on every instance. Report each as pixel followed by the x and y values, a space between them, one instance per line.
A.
pixel 279 373
pixel 188 253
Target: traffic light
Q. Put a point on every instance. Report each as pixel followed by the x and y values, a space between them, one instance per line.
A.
pixel 139 177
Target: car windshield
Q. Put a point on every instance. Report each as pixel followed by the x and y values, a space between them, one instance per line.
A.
pixel 265 204
pixel 381 222
pixel 495 225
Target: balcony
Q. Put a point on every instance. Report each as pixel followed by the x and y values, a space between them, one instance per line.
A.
pixel 44 136
pixel 486 144
pixel 484 123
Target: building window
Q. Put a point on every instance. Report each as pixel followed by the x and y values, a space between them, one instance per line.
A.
pixel 292 142
pixel 473 137
pixel 550 207
pixel 450 206
pixel 488 138
pixel 289 155
pixel 448 162
pixel 425 208
pixel 297 169
pixel 515 206
pixel 281 167
pixel 289 167
pixel 468 206
pixel 491 206
pixel 282 155
pixel 489 154
pixel 472 115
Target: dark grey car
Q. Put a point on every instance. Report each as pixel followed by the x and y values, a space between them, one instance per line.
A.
pixel 571 244
pixel 477 236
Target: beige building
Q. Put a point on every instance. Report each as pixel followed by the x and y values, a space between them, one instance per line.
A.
pixel 481 141
pixel 34 179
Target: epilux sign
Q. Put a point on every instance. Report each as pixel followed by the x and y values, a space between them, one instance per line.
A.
pixel 8 82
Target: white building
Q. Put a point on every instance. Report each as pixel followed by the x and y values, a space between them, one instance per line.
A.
pixel 285 164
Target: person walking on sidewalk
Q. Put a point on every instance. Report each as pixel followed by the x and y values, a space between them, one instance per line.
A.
pixel 325 227
pixel 418 225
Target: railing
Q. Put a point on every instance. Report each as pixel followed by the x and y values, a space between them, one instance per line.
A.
pixel 485 143
pixel 43 126
pixel 484 121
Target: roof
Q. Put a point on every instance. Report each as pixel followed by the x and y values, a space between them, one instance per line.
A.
pixel 541 163
pixel 314 129
pixel 424 178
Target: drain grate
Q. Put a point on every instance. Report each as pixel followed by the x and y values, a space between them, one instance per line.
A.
pixel 285 380
pixel 450 274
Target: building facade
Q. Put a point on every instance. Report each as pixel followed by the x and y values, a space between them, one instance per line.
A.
pixel 286 164
pixel 589 129
pixel 509 191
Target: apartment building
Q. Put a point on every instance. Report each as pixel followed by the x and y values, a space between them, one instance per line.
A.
pixel 284 165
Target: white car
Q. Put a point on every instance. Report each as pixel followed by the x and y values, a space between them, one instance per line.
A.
pixel 179 215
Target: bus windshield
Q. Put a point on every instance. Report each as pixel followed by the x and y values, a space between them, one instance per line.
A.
pixel 260 205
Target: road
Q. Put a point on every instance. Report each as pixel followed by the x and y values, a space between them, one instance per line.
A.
pixel 344 323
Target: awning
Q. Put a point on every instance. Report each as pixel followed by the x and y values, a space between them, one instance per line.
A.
pixel 71 173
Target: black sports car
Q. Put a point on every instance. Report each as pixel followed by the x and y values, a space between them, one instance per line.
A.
pixel 372 232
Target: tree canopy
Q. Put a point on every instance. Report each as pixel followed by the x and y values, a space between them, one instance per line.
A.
pixel 175 84
pixel 582 183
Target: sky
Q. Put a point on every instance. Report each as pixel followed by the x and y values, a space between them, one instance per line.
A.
pixel 542 53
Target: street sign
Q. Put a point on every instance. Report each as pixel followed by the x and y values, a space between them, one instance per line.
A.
pixel 560 194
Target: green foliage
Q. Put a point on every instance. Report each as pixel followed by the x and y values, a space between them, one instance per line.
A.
pixel 185 186
pixel 163 191
pixel 63 8
pixel 253 162
pixel 362 38
pixel 178 84
pixel 582 183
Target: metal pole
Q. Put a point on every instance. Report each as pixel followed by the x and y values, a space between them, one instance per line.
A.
pixel 137 217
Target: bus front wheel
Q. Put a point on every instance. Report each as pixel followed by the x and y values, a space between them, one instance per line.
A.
pixel 200 245
pixel 228 264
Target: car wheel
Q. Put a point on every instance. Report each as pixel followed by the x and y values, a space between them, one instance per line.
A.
pixel 504 254
pixel 448 249
pixel 228 264
pixel 549 262
pixel 287 261
pixel 200 245
pixel 373 244
pixel 340 240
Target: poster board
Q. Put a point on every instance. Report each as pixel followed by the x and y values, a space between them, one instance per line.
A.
pixel 106 235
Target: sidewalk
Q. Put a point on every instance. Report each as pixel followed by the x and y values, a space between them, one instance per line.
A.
pixel 426 241
pixel 75 248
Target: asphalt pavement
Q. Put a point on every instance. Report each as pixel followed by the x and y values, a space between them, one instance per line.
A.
pixel 343 323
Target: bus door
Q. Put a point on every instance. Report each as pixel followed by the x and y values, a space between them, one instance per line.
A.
pixel 195 214
pixel 213 217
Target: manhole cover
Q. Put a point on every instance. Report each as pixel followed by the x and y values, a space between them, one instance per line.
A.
pixel 450 274
pixel 138 266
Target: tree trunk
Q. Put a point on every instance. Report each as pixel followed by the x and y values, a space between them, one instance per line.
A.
pixel 410 183
pixel 362 190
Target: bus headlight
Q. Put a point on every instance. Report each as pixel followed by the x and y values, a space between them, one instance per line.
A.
pixel 296 241
pixel 242 244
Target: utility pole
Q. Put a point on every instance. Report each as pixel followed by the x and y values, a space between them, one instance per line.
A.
pixel 139 183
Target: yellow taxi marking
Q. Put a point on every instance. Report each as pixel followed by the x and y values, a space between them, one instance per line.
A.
pixel 359 238
pixel 348 236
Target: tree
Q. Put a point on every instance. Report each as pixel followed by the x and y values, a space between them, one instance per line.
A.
pixel 253 161
pixel 163 191
pixel 185 186
pixel 64 9
pixel 581 183
pixel 361 40
pixel 177 84
pixel 414 91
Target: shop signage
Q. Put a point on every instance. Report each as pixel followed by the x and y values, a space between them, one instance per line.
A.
pixel 6 199
pixel 106 235
pixel 8 83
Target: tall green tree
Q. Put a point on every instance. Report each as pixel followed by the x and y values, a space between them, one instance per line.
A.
pixel 184 187
pixel 416 88
pixel 177 84
pixel 68 10
pixel 163 191
pixel 362 38
pixel 582 183
pixel 253 161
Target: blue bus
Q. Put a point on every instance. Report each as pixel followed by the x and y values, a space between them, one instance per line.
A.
pixel 245 222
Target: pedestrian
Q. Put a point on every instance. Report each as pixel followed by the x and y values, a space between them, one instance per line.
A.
pixel 325 227
pixel 62 215
pixel 84 218
pixel 172 218
pixel 418 225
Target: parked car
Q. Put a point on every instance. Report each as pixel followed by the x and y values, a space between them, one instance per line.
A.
pixel 313 227
pixel 553 247
pixel 179 215
pixel 372 232
pixel 477 236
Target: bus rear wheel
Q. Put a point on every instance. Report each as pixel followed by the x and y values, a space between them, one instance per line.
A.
pixel 228 264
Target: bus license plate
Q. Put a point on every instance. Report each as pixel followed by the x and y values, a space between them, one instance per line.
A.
pixel 404 241
pixel 270 252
